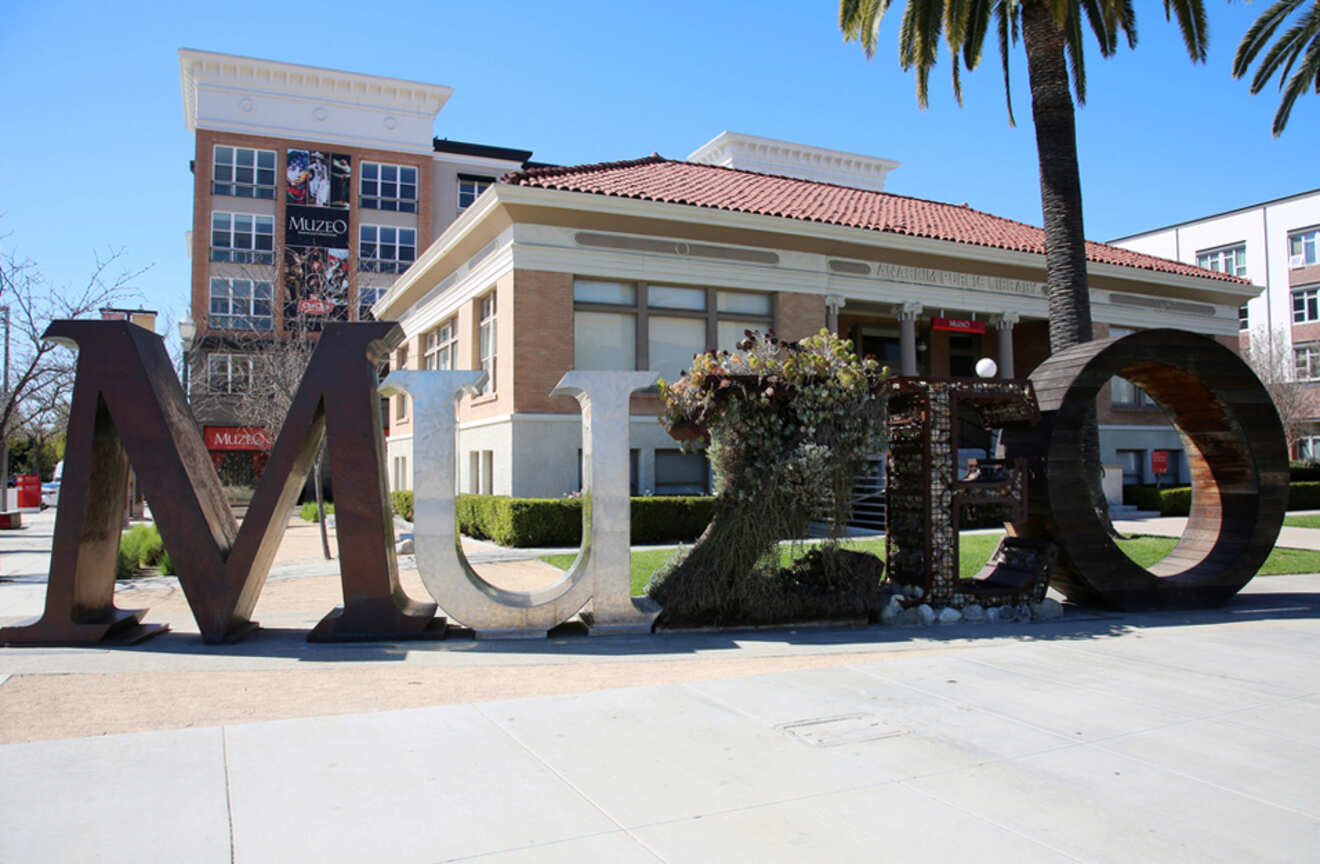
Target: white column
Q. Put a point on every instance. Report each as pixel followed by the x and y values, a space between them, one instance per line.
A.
pixel 907 336
pixel 833 303
pixel 1004 324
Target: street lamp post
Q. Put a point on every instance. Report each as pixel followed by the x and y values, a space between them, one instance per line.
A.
pixel 4 433
pixel 187 332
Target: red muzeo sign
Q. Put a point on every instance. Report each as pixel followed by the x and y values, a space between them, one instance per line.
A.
pixel 1159 461
pixel 237 438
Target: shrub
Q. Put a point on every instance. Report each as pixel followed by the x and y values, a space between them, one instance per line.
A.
pixel 670 519
pixel 1176 501
pixel 1304 496
pixel 558 521
pixel 142 546
pixel 402 502
pixel 1304 472
pixel 308 511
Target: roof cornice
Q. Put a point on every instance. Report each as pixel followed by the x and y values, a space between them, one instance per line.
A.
pixel 402 108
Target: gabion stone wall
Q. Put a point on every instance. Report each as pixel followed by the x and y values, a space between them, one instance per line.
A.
pixel 925 496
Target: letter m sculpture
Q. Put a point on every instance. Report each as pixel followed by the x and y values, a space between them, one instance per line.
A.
pixel 128 408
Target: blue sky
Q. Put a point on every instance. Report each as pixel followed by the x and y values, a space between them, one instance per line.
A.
pixel 96 153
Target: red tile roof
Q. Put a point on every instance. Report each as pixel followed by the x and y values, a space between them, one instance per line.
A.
pixel 654 178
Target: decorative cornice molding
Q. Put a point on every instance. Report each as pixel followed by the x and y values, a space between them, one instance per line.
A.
pixel 770 156
pixel 266 97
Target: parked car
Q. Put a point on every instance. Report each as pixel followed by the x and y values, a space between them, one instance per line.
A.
pixel 50 492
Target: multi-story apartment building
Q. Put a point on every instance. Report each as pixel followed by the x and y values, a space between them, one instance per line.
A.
pixel 1276 245
pixel 313 189
pixel 638 265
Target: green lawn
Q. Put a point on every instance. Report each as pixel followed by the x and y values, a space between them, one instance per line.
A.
pixel 973 552
pixel 1309 521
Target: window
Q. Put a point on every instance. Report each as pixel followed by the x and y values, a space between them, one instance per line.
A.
pixel 389 187
pixel 470 188
pixel 401 400
pixel 440 347
pixel 486 340
pixel 386 249
pixel 1123 394
pixel 243 172
pixel 1306 361
pixel 1308 448
pixel 242 237
pixel 1244 321
pixel 1304 248
pixel 1230 259
pixel 487 472
pixel 620 325
pixel 481 472
pixel 229 373
pixel 240 304
pixel 1133 462
pixel 679 473
pixel 367 297
pixel 1306 304
pixel 401 475
pixel 1126 395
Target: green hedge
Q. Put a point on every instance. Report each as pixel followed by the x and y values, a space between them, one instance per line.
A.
pixel 308 510
pixel 1303 472
pixel 1177 500
pixel 403 503
pixel 1304 496
pixel 558 521
pixel 140 547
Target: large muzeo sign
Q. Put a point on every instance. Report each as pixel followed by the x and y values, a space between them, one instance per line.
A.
pixel 128 409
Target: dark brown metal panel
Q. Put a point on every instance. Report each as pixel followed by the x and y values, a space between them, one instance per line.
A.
pixel 1236 453
pixel 128 406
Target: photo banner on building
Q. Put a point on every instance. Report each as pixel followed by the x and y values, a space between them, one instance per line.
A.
pixel 316 237
pixel 319 179
pixel 315 285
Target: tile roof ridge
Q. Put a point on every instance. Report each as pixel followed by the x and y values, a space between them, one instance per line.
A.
pixel 517 178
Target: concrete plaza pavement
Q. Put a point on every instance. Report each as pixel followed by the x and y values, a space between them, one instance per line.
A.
pixel 1096 737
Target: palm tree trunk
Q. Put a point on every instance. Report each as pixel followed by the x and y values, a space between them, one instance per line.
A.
pixel 1060 183
pixel 1061 206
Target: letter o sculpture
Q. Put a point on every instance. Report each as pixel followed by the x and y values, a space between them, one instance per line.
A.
pixel 1236 453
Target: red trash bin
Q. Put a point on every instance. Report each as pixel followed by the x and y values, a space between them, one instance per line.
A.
pixel 29 490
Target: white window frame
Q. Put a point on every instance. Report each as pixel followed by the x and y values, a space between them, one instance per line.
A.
pixel 1306 361
pixel 377 193
pixel 1308 298
pixel 230 361
pixel 1244 317
pixel 470 188
pixel 487 340
pixel 1225 259
pixel 440 346
pixel 236 188
pixel 1307 244
pixel 255 311
pixel 386 256
pixel 1308 448
pixel 253 253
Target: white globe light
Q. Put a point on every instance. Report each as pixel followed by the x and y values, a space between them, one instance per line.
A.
pixel 986 368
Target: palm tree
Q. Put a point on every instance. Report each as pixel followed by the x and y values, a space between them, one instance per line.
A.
pixel 1302 41
pixel 1051 33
